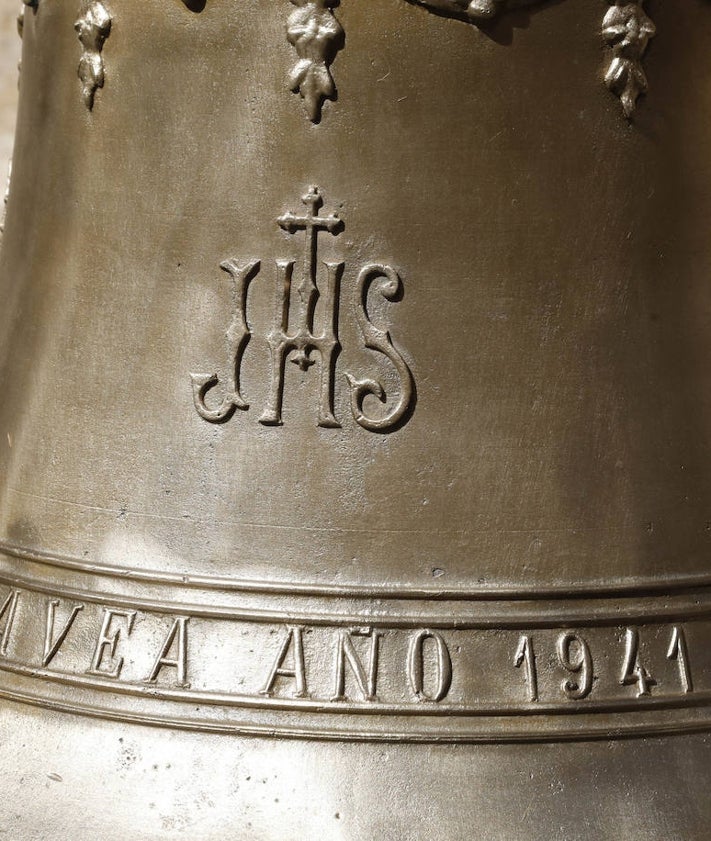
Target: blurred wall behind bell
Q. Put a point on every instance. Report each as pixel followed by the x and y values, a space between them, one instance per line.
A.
pixel 9 57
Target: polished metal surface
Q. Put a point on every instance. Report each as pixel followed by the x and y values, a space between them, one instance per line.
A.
pixel 355 439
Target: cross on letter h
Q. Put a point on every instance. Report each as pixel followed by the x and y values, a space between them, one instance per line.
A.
pixel 302 341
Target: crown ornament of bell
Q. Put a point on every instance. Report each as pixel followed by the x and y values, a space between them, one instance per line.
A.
pixel 355 432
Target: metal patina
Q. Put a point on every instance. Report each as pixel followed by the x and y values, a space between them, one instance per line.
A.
pixel 355 441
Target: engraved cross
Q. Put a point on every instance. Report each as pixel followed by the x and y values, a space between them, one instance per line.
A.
pixel 312 224
pixel 300 338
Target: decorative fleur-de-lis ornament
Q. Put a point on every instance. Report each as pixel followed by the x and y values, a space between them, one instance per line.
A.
pixel 93 28
pixel 317 37
pixel 627 29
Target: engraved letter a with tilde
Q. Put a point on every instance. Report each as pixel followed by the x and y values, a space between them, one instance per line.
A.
pixel 293 336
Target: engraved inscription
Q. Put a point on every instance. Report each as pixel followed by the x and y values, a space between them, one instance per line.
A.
pixel 574 655
pixel 235 671
pixel 525 657
pixel 174 653
pixel 416 667
pixel 633 672
pixel 678 651
pixel 53 643
pixel 349 665
pixel 317 37
pixel 7 617
pixel 366 677
pixel 107 642
pixel 294 640
pixel 93 28
pixel 294 336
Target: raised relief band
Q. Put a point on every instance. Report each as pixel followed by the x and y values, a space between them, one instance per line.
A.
pixel 338 669
pixel 317 37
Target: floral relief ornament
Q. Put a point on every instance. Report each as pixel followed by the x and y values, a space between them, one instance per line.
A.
pixel 92 28
pixel 627 29
pixel 317 37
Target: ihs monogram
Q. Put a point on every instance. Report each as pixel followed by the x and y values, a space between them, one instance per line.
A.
pixel 293 336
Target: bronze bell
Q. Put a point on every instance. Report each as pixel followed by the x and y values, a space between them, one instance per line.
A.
pixel 355 440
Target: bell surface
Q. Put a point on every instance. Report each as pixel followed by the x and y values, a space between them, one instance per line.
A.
pixel 355 432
